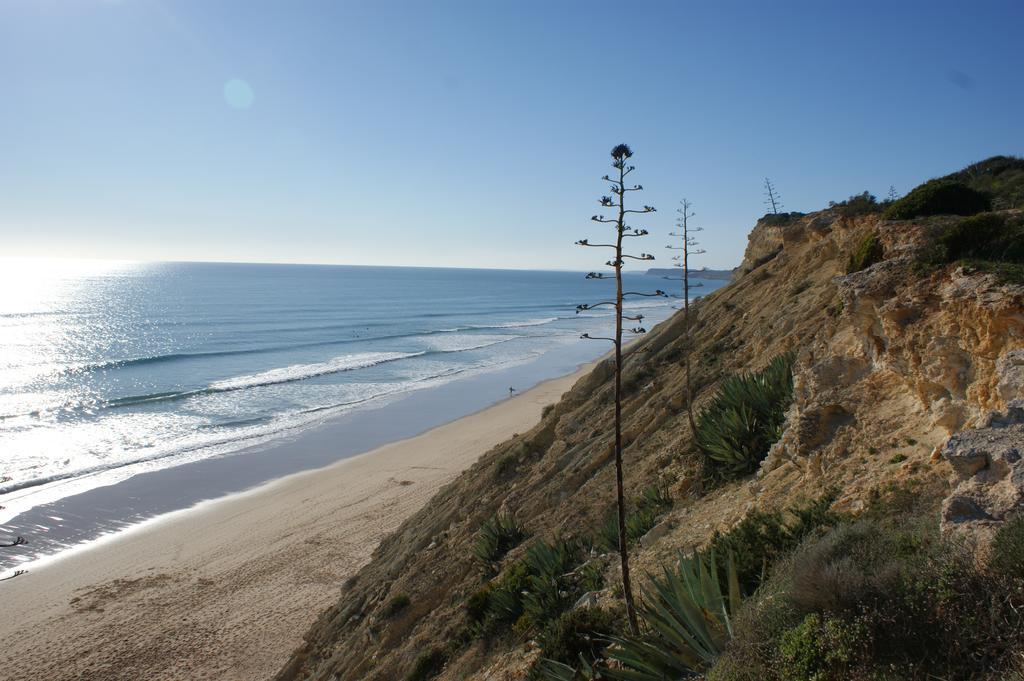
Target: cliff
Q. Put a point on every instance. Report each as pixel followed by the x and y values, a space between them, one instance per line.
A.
pixel 890 362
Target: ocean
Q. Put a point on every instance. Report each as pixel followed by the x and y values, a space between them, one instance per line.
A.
pixel 109 370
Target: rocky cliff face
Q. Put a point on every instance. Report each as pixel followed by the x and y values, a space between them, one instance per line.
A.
pixel 891 362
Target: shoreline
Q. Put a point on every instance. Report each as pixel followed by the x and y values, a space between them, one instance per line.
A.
pixel 226 589
pixel 65 525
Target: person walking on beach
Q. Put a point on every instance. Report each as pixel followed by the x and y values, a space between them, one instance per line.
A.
pixel 511 391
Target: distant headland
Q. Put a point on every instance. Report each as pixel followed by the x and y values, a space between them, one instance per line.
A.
pixel 698 274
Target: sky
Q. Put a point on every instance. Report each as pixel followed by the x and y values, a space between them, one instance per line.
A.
pixel 475 133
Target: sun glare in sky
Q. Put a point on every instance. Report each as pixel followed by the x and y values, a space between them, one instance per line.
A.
pixel 238 94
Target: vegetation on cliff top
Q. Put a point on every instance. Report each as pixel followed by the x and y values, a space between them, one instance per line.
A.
pixel 995 183
pixel 864 203
pixel 939 197
pixel 990 242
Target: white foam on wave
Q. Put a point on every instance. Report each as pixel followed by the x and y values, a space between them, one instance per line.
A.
pixel 55 484
pixel 300 372
pixel 463 342
pixel 503 325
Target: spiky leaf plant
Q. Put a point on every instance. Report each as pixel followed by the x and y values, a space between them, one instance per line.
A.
pixel 687 623
pixel 550 566
pixel 647 508
pixel 498 535
pixel 746 417
pixel 530 592
pixel 551 670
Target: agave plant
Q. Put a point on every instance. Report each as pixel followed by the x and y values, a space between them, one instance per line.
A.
pixel 650 505
pixel 550 590
pixel 607 537
pixel 687 622
pixel 746 417
pixel 532 591
pixel 654 497
pixel 551 670
pixel 498 535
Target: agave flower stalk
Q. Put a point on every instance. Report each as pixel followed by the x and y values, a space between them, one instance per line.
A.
pixel 689 247
pixel 617 200
pixel 772 198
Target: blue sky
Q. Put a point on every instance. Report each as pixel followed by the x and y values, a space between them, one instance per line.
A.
pixel 473 133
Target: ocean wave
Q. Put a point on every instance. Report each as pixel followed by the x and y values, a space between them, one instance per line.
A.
pixel 636 304
pixel 209 441
pixel 85 367
pixel 223 438
pixel 464 342
pixel 289 374
pixel 301 372
pixel 504 325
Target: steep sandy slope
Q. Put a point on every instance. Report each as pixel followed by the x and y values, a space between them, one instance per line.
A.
pixel 890 362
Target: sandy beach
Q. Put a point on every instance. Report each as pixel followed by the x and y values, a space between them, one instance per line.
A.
pixel 226 590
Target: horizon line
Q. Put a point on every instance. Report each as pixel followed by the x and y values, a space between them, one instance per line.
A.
pixel 303 264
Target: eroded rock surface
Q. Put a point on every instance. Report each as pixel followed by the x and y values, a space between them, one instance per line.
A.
pixel 989 465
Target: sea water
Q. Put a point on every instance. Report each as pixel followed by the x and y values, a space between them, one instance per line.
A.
pixel 110 369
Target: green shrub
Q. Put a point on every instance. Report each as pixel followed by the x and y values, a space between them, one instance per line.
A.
pixel 687 623
pixel 581 632
pixel 506 466
pixel 505 600
pixel 890 599
pixel 989 242
pixel 869 251
pixel 1007 556
pixel 762 538
pixel 989 236
pixel 781 219
pixel 478 605
pixel 498 535
pixel 591 576
pixel 428 665
pixel 1002 177
pixel 821 649
pixel 1008 273
pixel 856 564
pixel 397 604
pixel 745 418
pixel 939 197
pixel 859 204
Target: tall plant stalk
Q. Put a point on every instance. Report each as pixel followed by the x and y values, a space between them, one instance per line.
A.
pixel 689 247
pixel 617 200
pixel 772 198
